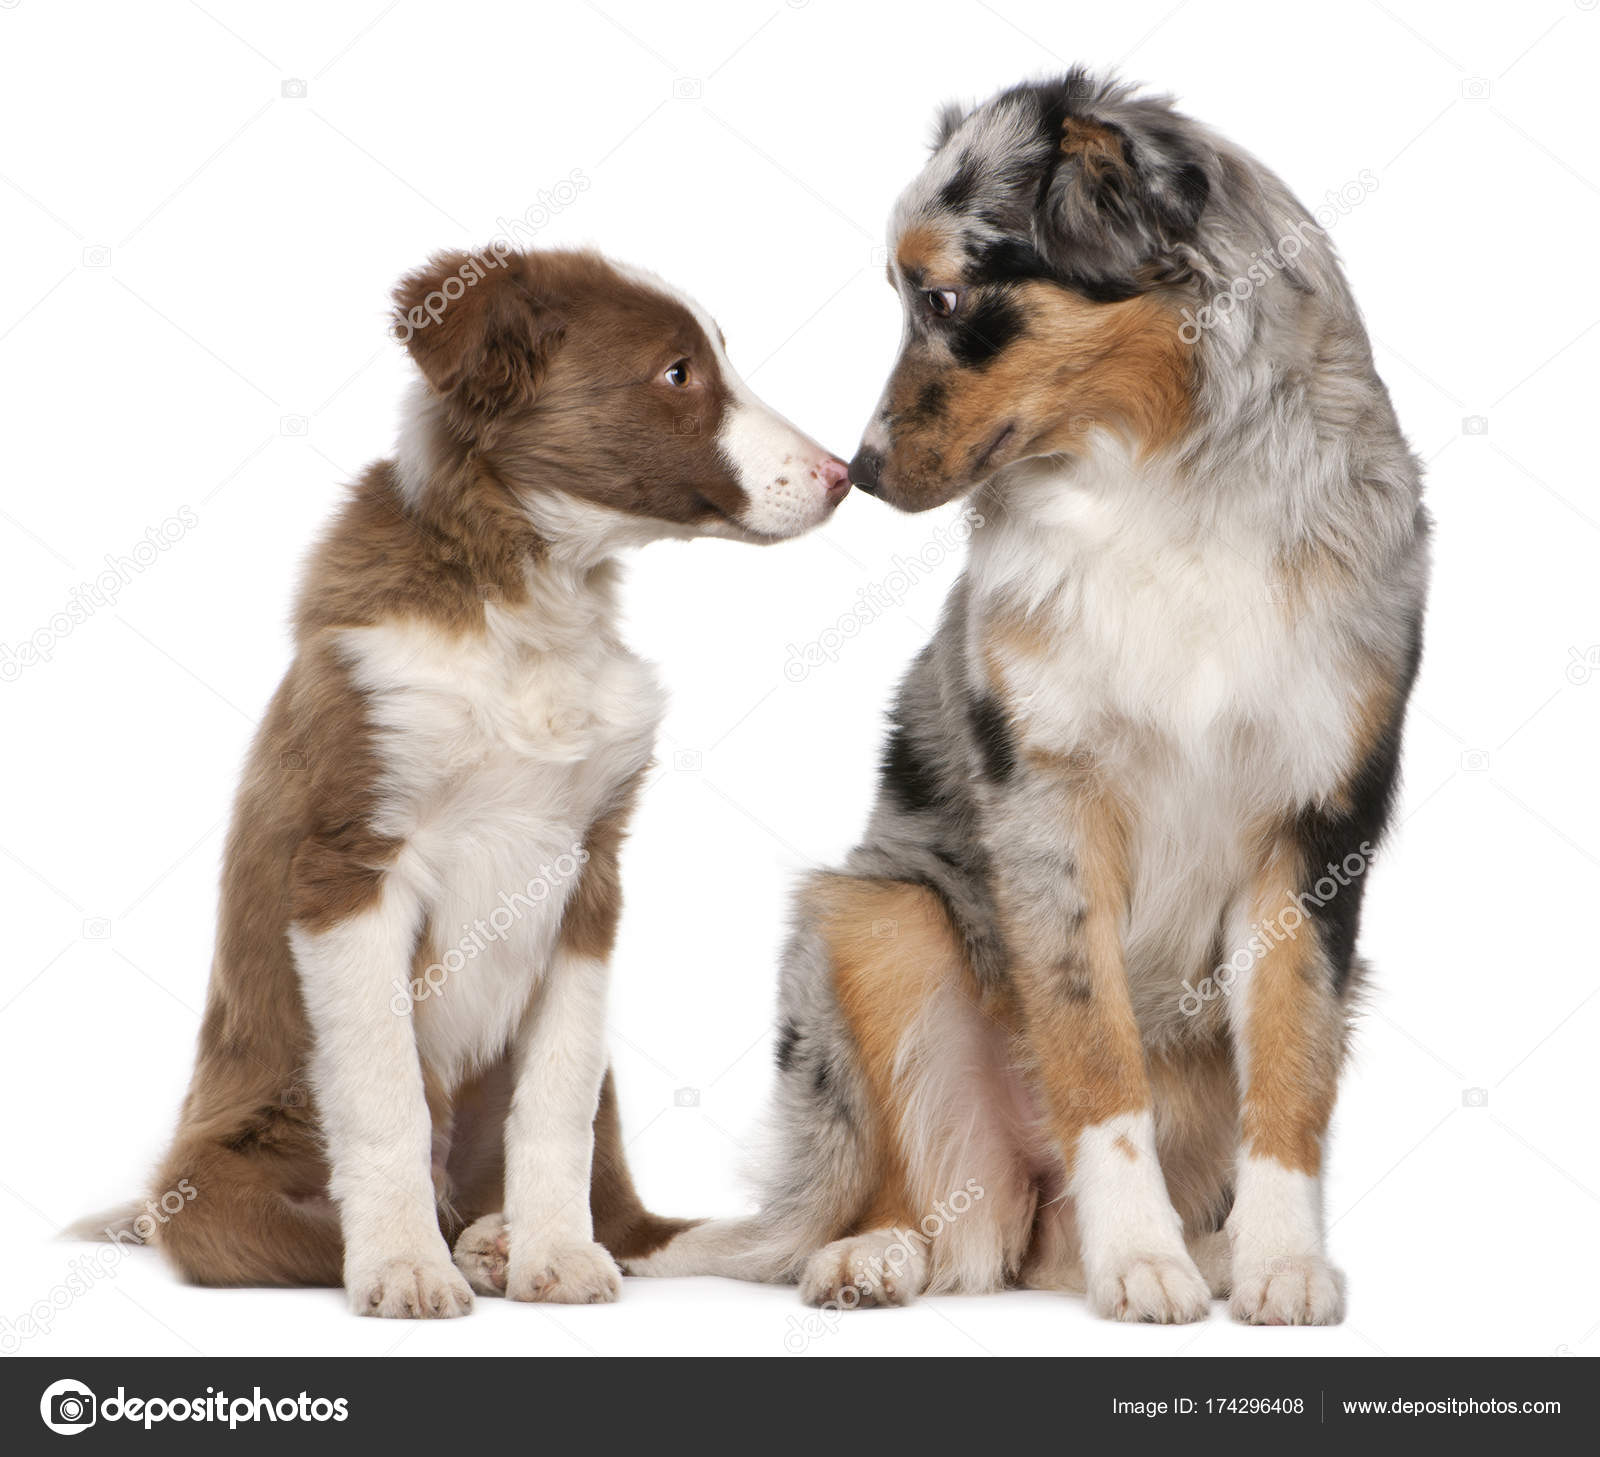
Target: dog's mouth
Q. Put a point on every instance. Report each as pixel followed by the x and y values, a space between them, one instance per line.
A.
pixel 998 442
pixel 745 533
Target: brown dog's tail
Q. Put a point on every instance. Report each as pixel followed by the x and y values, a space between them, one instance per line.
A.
pixel 621 1222
pixel 118 1225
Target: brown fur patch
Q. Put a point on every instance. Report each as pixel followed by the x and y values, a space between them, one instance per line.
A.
pixel 1086 1049
pixel 1294 1029
pixel 925 255
pixel 891 948
pixel 1095 147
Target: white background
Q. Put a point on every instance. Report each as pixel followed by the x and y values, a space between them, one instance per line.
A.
pixel 192 314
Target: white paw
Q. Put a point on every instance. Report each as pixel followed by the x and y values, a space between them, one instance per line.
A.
pixel 481 1254
pixel 881 1267
pixel 410 1288
pixel 1161 1289
pixel 1289 1290
pixel 580 1274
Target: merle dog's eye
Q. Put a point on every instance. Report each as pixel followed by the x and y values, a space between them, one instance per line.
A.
pixel 942 301
pixel 677 375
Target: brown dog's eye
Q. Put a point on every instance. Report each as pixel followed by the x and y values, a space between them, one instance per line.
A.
pixel 677 375
pixel 942 301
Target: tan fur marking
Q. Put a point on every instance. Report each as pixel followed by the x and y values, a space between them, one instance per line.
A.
pixel 1077 367
pixel 1294 1031
pixel 1098 148
pixel 925 251
pixel 1086 1048
pixel 892 948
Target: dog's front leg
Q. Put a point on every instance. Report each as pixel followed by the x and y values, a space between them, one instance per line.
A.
pixel 1062 877
pixel 369 1090
pixel 560 1061
pixel 1288 1034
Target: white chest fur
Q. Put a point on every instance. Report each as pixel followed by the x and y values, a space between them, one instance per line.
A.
pixel 1162 646
pixel 499 749
pixel 1147 631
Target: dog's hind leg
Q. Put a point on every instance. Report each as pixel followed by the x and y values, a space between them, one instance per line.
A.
pixel 253 1219
pixel 896 1168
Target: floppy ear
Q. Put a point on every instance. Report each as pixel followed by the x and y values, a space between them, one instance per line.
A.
pixel 1116 209
pixel 478 330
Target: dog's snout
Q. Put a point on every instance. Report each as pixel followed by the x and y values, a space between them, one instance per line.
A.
pixel 864 470
pixel 835 477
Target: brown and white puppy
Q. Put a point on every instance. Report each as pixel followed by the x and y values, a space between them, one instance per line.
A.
pixel 420 890
pixel 1075 1007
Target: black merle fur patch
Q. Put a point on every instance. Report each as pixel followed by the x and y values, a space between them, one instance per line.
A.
pixel 928 406
pixel 906 776
pixel 1328 836
pixel 788 1042
pixel 996 744
pixel 995 323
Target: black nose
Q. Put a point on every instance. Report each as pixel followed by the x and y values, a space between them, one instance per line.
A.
pixel 864 470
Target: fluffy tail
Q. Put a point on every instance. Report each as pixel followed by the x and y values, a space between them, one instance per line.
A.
pixel 117 1225
pixel 737 1249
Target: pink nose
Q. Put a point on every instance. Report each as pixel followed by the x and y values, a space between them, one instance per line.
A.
pixel 835 477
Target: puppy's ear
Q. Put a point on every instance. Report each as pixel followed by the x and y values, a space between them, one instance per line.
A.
pixel 1119 204
pixel 946 123
pixel 479 330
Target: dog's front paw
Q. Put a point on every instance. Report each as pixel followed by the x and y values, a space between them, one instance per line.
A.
pixel 413 1287
pixel 880 1267
pixel 1288 1290
pixel 579 1274
pixel 1162 1289
pixel 481 1254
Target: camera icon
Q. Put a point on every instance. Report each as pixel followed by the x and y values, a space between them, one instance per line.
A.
pixel 1277 593
pixel 1474 1097
pixel 294 1096
pixel 68 1407
pixel 686 1098
pixel 878 257
pixel 294 425
pixel 293 759
pixel 293 89
pixel 686 425
pixel 97 255
pixel 1476 88
pixel 1581 666
pixel 1475 425
pixel 687 88
pixel 884 929
pixel 1475 761
pixel 97 928
pixel 687 761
